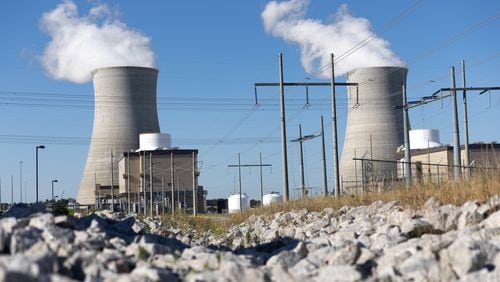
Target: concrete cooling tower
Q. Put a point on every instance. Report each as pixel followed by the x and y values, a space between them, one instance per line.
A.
pixel 374 126
pixel 125 106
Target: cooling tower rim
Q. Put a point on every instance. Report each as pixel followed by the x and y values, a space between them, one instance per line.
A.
pixel 377 67
pixel 125 67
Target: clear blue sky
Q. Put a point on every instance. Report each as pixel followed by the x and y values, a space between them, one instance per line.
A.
pixel 211 52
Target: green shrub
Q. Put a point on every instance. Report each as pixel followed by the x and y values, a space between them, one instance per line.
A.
pixel 61 208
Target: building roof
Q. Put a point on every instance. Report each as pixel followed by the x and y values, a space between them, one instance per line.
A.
pixel 161 152
pixel 473 146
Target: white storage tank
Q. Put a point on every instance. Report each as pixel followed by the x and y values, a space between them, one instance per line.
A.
pixel 271 198
pixel 424 138
pixel 154 141
pixel 233 202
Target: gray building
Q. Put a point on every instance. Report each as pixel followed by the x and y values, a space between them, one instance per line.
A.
pixel 436 164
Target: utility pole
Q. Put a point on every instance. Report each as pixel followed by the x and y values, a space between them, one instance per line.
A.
pixel 261 181
pixel 282 84
pixel 407 159
pixel 144 200
pixel 112 185
pixel 456 136
pixel 128 180
pixel 302 174
pixel 98 192
pixel 334 133
pixel 323 159
pixel 195 195
pixel 162 196
pixel 151 182
pixel 466 124
pixel 239 166
pixel 301 140
pixel 284 161
pixel 172 180
pixel 239 181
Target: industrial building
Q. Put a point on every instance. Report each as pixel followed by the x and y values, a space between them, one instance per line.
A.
pixel 431 161
pixel 171 175
pixel 374 124
pixel 435 164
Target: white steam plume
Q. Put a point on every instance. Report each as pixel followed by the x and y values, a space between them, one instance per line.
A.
pixel 80 44
pixel 318 40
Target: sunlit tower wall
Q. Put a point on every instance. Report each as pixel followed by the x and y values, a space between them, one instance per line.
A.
pixel 124 107
pixel 374 125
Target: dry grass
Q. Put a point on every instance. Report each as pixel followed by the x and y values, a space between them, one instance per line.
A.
pixel 478 188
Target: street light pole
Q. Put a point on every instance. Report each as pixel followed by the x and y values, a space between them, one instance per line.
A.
pixel 21 181
pixel 11 190
pixel 54 180
pixel 36 169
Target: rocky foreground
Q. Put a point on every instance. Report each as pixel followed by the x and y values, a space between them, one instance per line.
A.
pixel 381 241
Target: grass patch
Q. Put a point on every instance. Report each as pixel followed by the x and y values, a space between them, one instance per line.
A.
pixel 143 254
pixel 478 188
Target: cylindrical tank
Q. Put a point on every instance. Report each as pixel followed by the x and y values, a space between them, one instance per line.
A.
pixel 271 198
pixel 124 107
pixel 154 141
pixel 424 138
pixel 233 202
pixel 374 124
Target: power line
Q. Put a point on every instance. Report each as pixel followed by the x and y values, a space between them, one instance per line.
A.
pixel 68 140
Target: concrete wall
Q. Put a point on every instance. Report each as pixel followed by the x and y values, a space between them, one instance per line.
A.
pixel 125 106
pixel 374 126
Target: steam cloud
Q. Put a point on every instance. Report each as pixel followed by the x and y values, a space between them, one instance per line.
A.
pixel 80 44
pixel 318 40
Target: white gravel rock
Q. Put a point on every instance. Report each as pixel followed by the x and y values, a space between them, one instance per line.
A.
pixel 377 242
pixel 338 273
